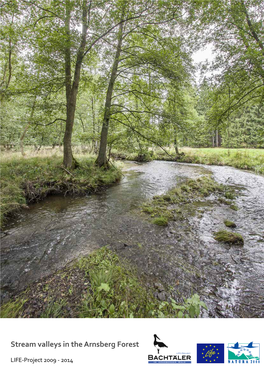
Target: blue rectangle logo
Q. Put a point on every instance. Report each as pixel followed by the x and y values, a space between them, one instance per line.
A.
pixel 210 353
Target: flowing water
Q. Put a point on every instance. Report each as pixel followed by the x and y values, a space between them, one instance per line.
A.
pixel 183 256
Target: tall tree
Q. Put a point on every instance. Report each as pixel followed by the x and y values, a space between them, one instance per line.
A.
pixel 235 29
pixel 142 46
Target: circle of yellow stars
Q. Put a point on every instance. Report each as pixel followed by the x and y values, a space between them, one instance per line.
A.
pixel 208 359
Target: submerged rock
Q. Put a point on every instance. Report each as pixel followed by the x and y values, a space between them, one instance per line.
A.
pixel 229 224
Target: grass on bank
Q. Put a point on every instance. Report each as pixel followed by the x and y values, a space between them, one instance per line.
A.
pixel 97 286
pixel 26 180
pixel 246 159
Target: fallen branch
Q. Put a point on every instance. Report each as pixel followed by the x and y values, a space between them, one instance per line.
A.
pixel 68 172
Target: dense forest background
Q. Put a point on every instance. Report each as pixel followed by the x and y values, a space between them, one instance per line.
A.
pixel 121 74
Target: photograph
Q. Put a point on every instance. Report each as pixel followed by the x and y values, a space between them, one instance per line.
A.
pixel 132 174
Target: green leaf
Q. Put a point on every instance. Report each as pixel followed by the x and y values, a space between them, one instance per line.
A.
pixel 104 287
pixel 192 312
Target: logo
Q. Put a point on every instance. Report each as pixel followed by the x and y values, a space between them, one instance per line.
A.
pixel 165 356
pixel 243 353
pixel 210 353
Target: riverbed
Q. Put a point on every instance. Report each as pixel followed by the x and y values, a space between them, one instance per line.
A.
pixel 183 257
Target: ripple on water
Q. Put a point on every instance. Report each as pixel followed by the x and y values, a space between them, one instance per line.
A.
pixel 184 255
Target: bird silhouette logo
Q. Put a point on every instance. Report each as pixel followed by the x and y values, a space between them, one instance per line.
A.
pixel 158 344
pixel 243 351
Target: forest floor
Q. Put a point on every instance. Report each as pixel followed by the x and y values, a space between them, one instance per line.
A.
pixel 245 159
pixel 25 180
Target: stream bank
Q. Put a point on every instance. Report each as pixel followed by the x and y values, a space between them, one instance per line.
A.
pixel 183 257
pixel 244 159
pixel 99 285
pixel 28 180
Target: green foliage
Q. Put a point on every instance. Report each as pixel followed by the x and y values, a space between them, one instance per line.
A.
pixel 229 237
pixel 236 31
pixel 154 100
pixel 116 291
pixel 191 307
pixel 245 128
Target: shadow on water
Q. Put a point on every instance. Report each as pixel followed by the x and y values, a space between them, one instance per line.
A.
pixel 183 255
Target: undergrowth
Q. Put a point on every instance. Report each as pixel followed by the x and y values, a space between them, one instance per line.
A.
pixel 97 286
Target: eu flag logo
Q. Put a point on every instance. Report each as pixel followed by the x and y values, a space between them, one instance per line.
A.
pixel 210 353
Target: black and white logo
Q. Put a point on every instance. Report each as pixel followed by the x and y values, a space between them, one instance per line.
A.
pixel 166 354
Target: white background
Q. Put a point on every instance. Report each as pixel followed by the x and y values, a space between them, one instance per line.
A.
pixel 181 335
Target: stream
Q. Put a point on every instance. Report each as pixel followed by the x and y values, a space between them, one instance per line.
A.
pixel 183 256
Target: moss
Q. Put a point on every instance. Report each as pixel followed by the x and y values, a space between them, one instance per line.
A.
pixel 192 190
pixel 161 220
pixel 229 195
pixel 229 224
pixel 223 200
pixel 229 237
pixel 234 207
pixel 186 188
pixel 148 209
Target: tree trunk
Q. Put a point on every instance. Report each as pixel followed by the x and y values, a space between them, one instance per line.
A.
pixel 72 87
pixel 219 139
pixel 21 140
pixel 102 158
pixel 94 142
pixel 176 143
